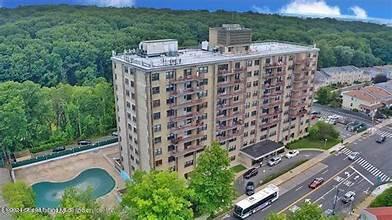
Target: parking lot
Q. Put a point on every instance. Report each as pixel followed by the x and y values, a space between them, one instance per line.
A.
pixel 265 171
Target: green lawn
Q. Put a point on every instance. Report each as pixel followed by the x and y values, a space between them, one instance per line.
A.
pixel 306 142
pixel 238 168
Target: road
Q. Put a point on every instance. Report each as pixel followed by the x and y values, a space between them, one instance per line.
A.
pixel 369 169
pixel 265 171
pixel 348 114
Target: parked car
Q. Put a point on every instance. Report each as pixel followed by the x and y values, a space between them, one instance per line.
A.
pixel 348 197
pixel 115 133
pixel 275 160
pixel 316 183
pixel 353 125
pixel 84 142
pixel 291 153
pixel 353 155
pixel 381 139
pixel 250 173
pixel 58 149
pixel 294 208
pixel 343 120
pixel 250 188
pixel 361 127
pixel 316 113
pixel 328 212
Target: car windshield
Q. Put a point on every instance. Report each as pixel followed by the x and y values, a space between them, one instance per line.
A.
pixel 238 210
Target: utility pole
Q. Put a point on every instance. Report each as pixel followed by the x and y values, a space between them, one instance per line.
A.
pixel 335 200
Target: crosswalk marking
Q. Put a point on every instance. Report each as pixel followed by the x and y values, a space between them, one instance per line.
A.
pixel 368 166
pixel 384 133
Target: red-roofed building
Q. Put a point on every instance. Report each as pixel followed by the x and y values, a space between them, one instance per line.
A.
pixel 381 213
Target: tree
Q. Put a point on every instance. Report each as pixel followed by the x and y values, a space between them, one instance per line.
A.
pixel 322 95
pixel 382 200
pixel 212 181
pixel 305 212
pixel 18 195
pixel 380 78
pixel 73 198
pixel 322 130
pixel 157 195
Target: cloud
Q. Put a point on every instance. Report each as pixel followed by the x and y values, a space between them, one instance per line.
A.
pixel 111 3
pixel 311 7
pixel 359 12
pixel 262 10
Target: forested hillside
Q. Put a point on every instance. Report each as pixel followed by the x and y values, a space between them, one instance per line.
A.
pixel 71 44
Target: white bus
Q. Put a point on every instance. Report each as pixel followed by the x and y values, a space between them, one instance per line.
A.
pixel 256 202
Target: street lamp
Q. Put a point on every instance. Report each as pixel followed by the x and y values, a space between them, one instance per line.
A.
pixel 325 142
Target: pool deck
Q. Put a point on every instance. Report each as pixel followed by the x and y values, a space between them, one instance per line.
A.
pixel 67 168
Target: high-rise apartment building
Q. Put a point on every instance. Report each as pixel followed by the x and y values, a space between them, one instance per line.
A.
pixel 250 97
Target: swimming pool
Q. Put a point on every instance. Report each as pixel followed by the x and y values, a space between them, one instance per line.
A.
pixel 48 194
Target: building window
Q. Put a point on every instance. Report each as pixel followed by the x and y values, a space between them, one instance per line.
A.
pixel 237 65
pixel 203 69
pixel 232 158
pixel 256 72
pixel 158 163
pixel 187 72
pixel 158 151
pixel 157 115
pixel 188 163
pixel 231 148
pixel 157 128
pixel 249 63
pixel 155 90
pixel 257 62
pixel 126 81
pixel 133 96
pixel 157 140
pixel 170 75
pixel 132 84
pixel 155 76
pixel 133 107
pixel 156 103
pixel 248 74
pixel 127 92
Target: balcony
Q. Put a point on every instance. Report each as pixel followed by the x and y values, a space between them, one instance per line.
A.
pixel 230 115
pixel 194 76
pixel 300 112
pixel 271 114
pixel 230 93
pixel 241 69
pixel 274 65
pixel 273 75
pixel 190 149
pixel 182 139
pixel 271 103
pixel 229 135
pixel 273 85
pixel 186 91
pixel 269 123
pixel 231 82
pixel 274 93
pixel 188 103
pixel 228 127
pixel 190 126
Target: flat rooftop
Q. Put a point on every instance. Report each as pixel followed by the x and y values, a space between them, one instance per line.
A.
pixel 197 56
pixel 261 149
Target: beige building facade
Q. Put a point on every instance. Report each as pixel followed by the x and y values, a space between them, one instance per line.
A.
pixel 238 93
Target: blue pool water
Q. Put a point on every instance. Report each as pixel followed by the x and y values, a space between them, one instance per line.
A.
pixel 48 194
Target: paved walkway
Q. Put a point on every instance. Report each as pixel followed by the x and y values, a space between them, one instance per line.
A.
pixel 4 179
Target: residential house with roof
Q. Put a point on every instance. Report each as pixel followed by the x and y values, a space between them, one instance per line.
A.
pixel 346 75
pixel 369 98
pixel 381 213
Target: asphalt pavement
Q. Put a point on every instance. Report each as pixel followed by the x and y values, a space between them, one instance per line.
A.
pixel 265 171
pixel 371 168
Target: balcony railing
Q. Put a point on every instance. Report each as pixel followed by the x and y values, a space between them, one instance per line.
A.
pixel 274 93
pixel 231 93
pixel 186 91
pixel 187 103
pixel 269 123
pixel 273 75
pixel 189 149
pixel 274 65
pixel 194 76
pixel 273 85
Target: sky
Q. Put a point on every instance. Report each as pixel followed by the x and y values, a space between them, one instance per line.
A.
pixel 361 9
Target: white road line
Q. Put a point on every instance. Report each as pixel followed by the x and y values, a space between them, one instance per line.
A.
pixel 387 179
pixel 378 173
pixel 375 171
pixel 324 171
pixel 383 179
pixel 299 188
pixel 334 188
pixel 362 175
pixel 367 166
pixel 371 169
pixel 383 176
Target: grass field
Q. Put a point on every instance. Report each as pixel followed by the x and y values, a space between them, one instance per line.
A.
pixel 306 142
pixel 238 168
